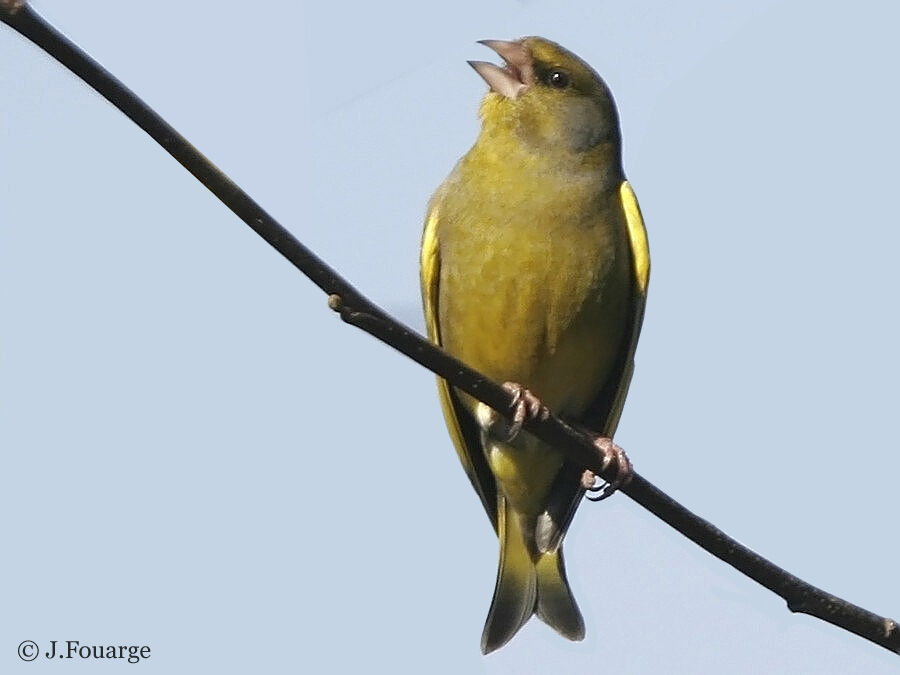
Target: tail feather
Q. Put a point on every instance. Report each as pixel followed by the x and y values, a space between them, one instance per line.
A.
pixel 528 583
pixel 515 594
pixel 556 606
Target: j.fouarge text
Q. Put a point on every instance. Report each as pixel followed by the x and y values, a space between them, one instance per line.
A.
pixel 71 649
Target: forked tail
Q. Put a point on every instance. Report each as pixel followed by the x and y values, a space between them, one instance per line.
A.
pixel 527 584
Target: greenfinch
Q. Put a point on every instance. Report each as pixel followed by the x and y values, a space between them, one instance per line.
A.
pixel 534 271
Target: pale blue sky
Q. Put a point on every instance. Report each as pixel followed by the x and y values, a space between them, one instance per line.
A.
pixel 197 455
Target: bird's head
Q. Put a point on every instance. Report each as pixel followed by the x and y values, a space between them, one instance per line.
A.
pixel 547 97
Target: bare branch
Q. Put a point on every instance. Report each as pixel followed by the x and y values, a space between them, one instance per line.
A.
pixel 356 309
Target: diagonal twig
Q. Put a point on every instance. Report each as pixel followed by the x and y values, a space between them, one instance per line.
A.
pixel 356 309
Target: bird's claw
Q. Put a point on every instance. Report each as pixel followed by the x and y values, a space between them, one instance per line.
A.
pixel 624 472
pixel 525 406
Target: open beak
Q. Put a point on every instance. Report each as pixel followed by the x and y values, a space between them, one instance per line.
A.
pixel 517 73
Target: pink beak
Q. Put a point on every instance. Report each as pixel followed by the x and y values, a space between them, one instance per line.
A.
pixel 515 77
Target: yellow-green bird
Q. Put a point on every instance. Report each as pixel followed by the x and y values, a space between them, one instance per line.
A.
pixel 534 271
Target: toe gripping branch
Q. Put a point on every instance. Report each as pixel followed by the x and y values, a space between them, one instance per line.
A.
pixel 526 406
pixel 624 471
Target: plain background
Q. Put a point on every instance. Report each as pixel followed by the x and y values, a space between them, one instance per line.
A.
pixel 199 456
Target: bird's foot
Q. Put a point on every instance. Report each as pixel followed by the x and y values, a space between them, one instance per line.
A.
pixel 624 472
pixel 525 406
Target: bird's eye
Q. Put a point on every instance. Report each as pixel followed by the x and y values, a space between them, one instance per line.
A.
pixel 559 79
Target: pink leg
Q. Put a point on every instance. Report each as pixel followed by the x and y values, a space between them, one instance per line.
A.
pixel 611 453
pixel 526 406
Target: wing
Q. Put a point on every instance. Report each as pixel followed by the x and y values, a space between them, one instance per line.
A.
pixel 603 414
pixel 463 428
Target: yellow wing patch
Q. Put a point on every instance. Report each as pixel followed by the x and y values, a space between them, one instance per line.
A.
pixel 430 269
pixel 637 233
pixel 640 253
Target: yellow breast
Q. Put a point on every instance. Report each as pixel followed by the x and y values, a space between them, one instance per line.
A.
pixel 539 296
